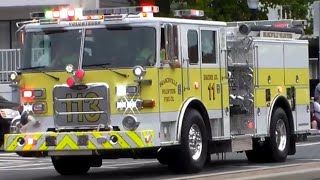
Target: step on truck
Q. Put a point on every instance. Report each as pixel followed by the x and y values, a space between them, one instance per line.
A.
pixel 120 83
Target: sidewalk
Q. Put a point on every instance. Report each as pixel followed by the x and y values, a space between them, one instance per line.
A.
pixel 314 137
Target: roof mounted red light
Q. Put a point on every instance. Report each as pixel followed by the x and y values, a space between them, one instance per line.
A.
pixel 56 13
pixel 71 13
pixel 147 9
pixel 150 9
pixel 122 10
pixel 281 25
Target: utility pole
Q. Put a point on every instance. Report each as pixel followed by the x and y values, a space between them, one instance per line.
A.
pixel 316 31
pixel 254 7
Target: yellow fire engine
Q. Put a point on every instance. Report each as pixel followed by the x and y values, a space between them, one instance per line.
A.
pixel 118 82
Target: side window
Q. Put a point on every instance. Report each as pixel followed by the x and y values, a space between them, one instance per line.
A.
pixel 193 52
pixel 208 46
pixel 176 43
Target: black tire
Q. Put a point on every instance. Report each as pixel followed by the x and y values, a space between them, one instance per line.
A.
pixel 71 165
pixel 253 155
pixel 164 156
pixel 279 154
pixel 1 135
pixel 259 153
pixel 269 151
pixel 4 129
pixel 183 161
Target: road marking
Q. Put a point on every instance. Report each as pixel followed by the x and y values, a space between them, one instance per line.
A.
pixel 19 158
pixel 24 169
pixel 126 164
pixel 233 172
pixel 24 165
pixel 308 144
pixel 273 175
pixel 8 154
pixel 308 159
pixel 254 166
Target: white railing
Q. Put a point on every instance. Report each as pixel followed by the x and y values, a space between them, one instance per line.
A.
pixel 10 60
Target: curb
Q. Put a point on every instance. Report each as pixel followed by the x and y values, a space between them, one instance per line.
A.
pixel 313 138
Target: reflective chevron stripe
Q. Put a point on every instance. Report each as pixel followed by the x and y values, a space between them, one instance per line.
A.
pixel 69 141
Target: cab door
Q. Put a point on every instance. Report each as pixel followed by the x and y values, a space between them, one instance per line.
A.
pixel 215 94
pixel 170 82
pixel 191 73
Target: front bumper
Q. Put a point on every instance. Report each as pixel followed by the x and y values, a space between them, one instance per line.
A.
pixel 51 141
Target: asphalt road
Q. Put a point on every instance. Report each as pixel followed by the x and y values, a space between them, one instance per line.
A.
pixel 304 165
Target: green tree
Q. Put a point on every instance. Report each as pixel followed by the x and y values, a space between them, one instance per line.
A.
pixel 235 10
pixel 294 9
pixel 164 5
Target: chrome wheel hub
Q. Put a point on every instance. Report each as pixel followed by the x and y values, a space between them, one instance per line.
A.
pixel 281 135
pixel 195 142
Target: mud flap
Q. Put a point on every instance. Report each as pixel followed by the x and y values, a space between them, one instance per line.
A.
pixel 292 149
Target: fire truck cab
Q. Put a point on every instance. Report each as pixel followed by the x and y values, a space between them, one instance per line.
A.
pixel 177 89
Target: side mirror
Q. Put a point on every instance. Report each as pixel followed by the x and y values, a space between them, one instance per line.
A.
pixel 169 46
pixel 168 34
pixel 20 34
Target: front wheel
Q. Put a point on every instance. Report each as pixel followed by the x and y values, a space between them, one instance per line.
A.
pixel 4 129
pixel 192 154
pixel 71 165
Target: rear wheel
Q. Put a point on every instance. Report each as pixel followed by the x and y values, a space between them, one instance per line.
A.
pixel 71 165
pixel 259 153
pixel 164 156
pixel 279 136
pixel 276 148
pixel 192 154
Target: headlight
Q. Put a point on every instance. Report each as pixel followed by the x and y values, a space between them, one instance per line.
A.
pixel 13 76
pixel 121 90
pixel 139 72
pixel 130 90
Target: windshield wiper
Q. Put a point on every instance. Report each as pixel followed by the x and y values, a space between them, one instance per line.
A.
pixel 37 68
pixel 107 68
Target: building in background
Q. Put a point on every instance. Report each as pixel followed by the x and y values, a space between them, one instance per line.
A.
pixel 12 11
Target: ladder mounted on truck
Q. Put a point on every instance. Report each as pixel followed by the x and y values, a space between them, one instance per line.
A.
pixel 285 23
pixel 274 29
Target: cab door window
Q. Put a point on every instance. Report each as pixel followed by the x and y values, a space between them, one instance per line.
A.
pixel 208 47
pixel 193 51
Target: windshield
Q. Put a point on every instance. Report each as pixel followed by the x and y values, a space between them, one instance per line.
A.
pixel 117 47
pixel 120 47
pixel 52 49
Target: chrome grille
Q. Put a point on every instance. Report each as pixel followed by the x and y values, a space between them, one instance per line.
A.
pixel 85 109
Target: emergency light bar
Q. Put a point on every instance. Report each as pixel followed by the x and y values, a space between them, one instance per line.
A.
pixel 122 10
pixel 189 13
pixel 63 13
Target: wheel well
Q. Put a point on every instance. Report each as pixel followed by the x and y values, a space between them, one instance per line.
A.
pixel 197 105
pixel 283 103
